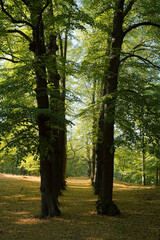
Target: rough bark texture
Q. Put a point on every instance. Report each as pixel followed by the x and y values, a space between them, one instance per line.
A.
pixel 49 206
pixel 105 203
pixel 57 105
pixel 53 79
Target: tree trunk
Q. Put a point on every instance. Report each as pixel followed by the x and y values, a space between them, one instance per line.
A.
pixel 105 204
pixel 63 134
pixel 93 170
pixel 48 188
pixel 99 152
pixel 157 175
pixel 143 168
pixel 53 79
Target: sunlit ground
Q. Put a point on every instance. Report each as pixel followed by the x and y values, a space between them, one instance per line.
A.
pixel 20 203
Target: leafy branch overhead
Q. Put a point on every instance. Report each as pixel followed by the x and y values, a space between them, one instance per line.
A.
pixel 79 94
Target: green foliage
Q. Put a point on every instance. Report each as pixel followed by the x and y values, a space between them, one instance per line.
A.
pixel 87 26
pixel 31 165
pixel 79 150
pixel 128 166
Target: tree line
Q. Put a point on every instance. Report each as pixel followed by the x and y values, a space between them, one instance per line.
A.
pixel 66 61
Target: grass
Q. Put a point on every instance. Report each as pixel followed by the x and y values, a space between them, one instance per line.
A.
pixel 20 203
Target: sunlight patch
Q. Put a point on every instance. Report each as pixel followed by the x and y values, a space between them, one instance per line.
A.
pixel 94 238
pixel 27 221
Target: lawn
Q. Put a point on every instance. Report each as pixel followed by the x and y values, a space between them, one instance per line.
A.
pixel 20 203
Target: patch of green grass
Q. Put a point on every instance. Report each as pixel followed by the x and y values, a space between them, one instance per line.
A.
pixel 20 203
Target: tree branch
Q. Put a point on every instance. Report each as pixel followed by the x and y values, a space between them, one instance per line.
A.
pixel 21 33
pixel 9 59
pixel 146 61
pixel 129 7
pixel 43 9
pixel 13 19
pixel 61 44
pixel 140 24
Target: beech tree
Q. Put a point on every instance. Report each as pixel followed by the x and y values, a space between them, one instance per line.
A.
pixel 126 19
pixel 112 29
pixel 47 145
pixel 35 23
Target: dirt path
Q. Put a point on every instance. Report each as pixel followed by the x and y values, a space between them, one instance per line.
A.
pixel 20 202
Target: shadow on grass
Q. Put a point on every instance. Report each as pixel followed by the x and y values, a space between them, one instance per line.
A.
pixel 139 217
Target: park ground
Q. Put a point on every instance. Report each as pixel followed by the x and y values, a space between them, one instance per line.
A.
pixel 20 203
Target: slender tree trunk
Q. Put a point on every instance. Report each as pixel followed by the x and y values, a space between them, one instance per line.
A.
pixel 143 168
pixel 63 127
pixel 63 131
pixel 89 161
pixel 105 203
pixel 99 152
pixel 93 170
pixel 157 175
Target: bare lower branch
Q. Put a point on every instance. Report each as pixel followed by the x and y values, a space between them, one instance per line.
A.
pixel 9 59
pixel 21 33
pixel 140 24
pixel 129 7
pixel 145 60
pixel 43 9
pixel 12 59
pixel 13 20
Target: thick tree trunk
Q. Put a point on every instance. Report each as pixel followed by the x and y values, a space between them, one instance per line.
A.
pixel 49 206
pixel 53 79
pixel 57 105
pixel 105 203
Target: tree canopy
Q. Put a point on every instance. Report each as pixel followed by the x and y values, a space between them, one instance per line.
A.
pixel 80 94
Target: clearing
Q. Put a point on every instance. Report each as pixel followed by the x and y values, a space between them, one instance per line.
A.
pixel 20 203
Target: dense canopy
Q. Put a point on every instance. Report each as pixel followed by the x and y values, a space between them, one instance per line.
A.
pixel 79 94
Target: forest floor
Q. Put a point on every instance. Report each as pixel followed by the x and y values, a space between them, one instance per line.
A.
pixel 20 203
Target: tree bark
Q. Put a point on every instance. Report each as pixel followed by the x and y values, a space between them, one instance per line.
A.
pixel 99 152
pixel 157 175
pixel 105 204
pixel 143 168
pixel 49 206
pixel 55 104
pixel 63 132
pixel 93 164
